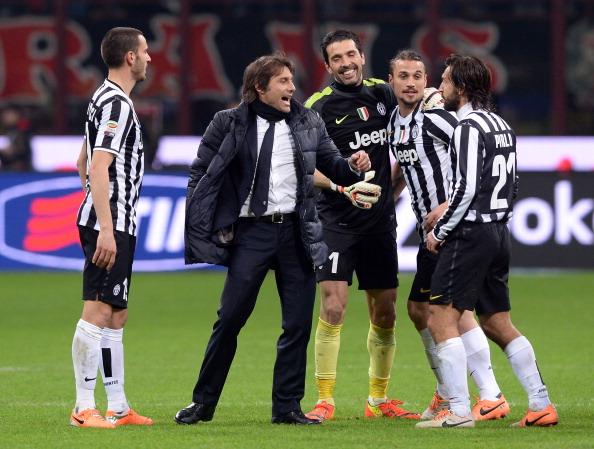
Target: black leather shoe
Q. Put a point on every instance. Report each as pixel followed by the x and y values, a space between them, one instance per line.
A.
pixel 294 417
pixel 194 412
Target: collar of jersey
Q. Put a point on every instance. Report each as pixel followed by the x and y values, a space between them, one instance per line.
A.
pixel 344 88
pixel 464 111
pixel 115 85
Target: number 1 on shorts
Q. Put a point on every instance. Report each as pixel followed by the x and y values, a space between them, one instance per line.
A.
pixel 334 258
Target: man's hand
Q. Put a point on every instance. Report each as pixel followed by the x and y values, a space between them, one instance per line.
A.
pixel 431 218
pixel 105 252
pixel 359 161
pixel 362 194
pixel 433 244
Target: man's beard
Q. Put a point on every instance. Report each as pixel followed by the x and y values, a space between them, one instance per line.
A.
pixel 452 103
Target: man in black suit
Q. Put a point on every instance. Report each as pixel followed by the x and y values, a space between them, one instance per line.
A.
pixel 251 207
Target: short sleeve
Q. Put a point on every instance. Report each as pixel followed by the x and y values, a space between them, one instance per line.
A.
pixel 113 121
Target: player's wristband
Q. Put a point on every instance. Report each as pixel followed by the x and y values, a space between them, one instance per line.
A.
pixel 336 188
pixel 437 238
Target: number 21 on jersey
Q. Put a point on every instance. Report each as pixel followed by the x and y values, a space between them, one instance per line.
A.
pixel 502 168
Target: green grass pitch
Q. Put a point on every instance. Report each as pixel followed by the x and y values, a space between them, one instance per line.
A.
pixel 171 316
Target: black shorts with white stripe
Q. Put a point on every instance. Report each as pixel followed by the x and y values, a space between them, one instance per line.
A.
pixel 473 269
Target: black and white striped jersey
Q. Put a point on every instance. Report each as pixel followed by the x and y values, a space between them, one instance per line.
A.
pixel 419 143
pixel 484 176
pixel 112 126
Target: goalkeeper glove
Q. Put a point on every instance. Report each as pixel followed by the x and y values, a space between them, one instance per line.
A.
pixel 432 98
pixel 362 194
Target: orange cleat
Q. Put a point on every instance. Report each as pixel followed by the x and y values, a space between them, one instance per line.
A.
pixel 90 418
pixel 485 410
pixel 389 409
pixel 539 418
pixel 322 411
pixel 437 405
pixel 129 419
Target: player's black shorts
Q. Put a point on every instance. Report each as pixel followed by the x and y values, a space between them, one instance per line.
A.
pixel 110 287
pixel 421 286
pixel 473 269
pixel 373 257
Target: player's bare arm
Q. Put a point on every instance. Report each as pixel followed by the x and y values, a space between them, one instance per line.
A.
pixel 398 181
pixel 321 181
pixel 362 194
pixel 105 253
pixel 81 165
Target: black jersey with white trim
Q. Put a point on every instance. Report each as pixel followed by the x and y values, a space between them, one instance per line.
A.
pixel 419 143
pixel 485 181
pixel 356 118
pixel 112 126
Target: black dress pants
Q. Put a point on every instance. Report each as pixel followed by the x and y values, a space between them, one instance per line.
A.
pixel 258 247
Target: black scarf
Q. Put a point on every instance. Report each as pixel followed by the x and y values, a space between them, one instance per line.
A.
pixel 267 112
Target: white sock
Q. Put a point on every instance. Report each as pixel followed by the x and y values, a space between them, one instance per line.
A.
pixel 523 361
pixel 478 357
pixel 112 369
pixel 86 355
pixel 431 354
pixel 452 363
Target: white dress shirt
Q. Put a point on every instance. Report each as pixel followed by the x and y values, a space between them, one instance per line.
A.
pixel 282 190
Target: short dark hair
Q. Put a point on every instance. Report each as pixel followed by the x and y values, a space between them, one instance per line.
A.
pixel 471 75
pixel 405 55
pixel 258 73
pixel 339 36
pixel 116 43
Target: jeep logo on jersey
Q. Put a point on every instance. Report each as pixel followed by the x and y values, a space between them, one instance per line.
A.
pixel 406 154
pixel 38 223
pixel 364 140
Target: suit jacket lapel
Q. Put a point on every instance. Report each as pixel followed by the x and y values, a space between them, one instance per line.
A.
pixel 251 141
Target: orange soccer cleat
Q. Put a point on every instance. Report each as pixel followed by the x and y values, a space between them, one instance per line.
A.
pixel 485 410
pixel 90 418
pixel 389 409
pixel 539 418
pixel 322 411
pixel 129 419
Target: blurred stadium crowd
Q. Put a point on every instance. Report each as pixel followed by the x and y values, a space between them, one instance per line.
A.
pixel 540 52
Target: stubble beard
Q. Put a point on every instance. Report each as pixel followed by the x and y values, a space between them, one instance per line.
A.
pixel 452 104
